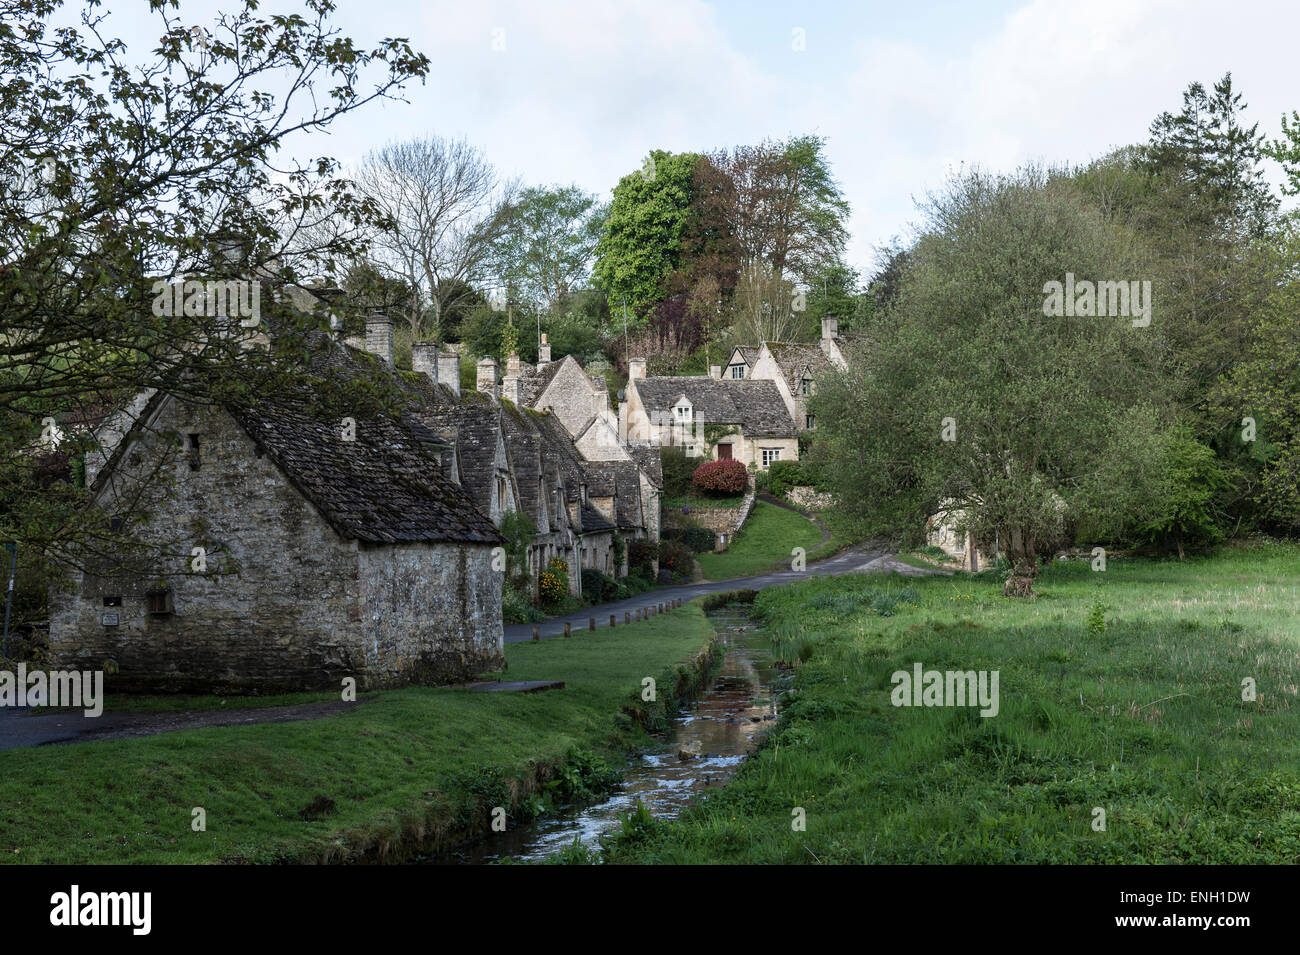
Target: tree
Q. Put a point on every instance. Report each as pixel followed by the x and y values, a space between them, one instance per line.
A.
pixel 546 242
pixel 1287 152
pixel 122 173
pixel 971 398
pixel 444 208
pixel 640 247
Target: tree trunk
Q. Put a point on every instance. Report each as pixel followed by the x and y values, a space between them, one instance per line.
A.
pixel 1024 564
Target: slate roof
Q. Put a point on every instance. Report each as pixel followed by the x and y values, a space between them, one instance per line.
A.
pixel 535 381
pixel 382 488
pixel 793 357
pixel 648 460
pixel 624 478
pixel 754 405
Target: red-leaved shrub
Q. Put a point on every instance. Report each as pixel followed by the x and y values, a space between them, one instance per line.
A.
pixel 721 478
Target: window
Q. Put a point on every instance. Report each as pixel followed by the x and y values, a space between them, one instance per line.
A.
pixel 805 387
pixel 684 412
pixel 770 455
pixel 737 371
pixel 809 421
pixel 194 452
pixel 112 601
pixel 159 603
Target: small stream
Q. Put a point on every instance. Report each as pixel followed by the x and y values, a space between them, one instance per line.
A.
pixel 717 731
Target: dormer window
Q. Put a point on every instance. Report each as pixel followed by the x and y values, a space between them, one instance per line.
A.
pixel 737 371
pixel 684 412
pixel 805 386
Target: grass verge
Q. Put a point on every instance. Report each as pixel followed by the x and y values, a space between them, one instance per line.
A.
pixel 767 539
pixel 418 768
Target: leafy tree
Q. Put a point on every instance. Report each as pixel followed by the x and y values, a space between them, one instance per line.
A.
pixel 1191 479
pixel 640 248
pixel 122 172
pixel 970 397
pixel 546 243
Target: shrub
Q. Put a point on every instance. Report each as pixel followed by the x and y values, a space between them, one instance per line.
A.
pixel 676 560
pixel 640 559
pixel 783 475
pixel 693 537
pixel 721 478
pixel 516 605
pixel 597 587
pixel 677 468
pixel 553 583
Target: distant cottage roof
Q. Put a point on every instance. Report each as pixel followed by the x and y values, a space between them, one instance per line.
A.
pixel 794 358
pixel 754 405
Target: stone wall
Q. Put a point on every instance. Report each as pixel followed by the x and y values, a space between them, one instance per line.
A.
pixel 285 601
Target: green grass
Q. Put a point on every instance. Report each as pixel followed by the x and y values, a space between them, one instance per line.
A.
pixel 768 537
pixel 1144 720
pixel 414 761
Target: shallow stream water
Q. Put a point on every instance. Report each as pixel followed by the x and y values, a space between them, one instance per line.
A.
pixel 722 726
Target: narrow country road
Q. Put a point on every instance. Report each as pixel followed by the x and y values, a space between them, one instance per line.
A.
pixel 865 558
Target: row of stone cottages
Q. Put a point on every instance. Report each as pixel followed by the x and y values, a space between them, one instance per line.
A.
pixel 291 555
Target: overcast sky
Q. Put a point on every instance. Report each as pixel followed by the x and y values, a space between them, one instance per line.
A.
pixel 578 91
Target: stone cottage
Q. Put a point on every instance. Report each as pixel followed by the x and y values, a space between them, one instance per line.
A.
pixel 288 548
pixel 793 367
pixel 742 420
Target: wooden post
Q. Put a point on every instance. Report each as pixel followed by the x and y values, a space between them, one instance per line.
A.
pixel 566 628
pixel 591 623
pixel 535 633
pixel 627 616
pixel 611 621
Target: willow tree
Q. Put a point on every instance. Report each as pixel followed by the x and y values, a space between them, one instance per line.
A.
pixel 973 398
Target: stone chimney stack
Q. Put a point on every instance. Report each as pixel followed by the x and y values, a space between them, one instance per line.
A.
pixel 424 358
pixel 543 352
pixel 636 369
pixel 830 327
pixel 600 400
pixel 449 370
pixel 715 371
pixel 379 337
pixel 487 377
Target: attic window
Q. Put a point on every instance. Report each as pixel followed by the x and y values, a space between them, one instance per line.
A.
pixel 159 602
pixel 805 386
pixel 683 412
pixel 737 371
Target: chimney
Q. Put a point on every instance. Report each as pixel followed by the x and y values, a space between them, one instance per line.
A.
pixel 512 366
pixel 830 327
pixel 424 358
pixel 487 377
pixel 379 337
pixel 600 402
pixel 510 390
pixel 449 370
pixel 543 352
pixel 715 371
pixel 636 369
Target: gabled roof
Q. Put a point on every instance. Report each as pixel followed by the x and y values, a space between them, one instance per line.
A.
pixel 794 358
pixel 382 488
pixel 754 405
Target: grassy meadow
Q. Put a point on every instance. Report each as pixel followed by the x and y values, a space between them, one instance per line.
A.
pixel 1120 691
